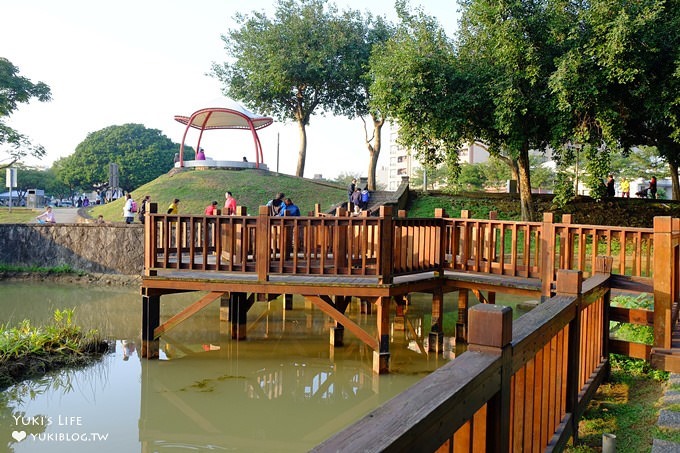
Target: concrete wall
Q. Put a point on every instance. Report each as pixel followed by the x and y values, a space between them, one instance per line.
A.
pixel 115 248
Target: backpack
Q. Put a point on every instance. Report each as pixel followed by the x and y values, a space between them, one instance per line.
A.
pixel 133 206
pixel 365 195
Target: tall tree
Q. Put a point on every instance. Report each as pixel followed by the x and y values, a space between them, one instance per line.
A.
pixel 15 90
pixel 509 49
pixel 290 65
pixel 356 102
pixel 415 82
pixel 142 155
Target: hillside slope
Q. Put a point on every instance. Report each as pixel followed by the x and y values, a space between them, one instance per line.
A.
pixel 251 188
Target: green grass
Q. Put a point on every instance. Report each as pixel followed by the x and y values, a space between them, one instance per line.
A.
pixel 251 188
pixel 18 215
pixel 62 269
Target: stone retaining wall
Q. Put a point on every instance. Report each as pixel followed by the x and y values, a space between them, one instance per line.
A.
pixel 108 249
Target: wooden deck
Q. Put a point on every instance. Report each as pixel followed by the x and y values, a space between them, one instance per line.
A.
pixel 523 384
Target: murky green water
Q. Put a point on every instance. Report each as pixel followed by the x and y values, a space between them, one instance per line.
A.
pixel 284 389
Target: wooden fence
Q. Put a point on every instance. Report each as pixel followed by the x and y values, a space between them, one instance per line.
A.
pixel 520 386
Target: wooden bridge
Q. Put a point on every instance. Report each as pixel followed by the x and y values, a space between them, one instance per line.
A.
pixel 538 372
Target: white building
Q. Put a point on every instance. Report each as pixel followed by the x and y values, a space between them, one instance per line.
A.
pixel 402 163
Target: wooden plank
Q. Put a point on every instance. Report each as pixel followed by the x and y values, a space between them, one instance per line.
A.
pixel 186 313
pixel 353 327
pixel 632 316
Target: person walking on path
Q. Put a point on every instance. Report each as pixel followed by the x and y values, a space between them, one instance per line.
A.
pixel 652 187
pixel 128 211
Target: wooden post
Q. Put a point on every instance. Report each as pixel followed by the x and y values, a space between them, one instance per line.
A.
pixel 462 323
pixel 287 301
pixel 570 283
pixel 439 213
pixel 399 323
pixel 150 241
pixel 224 308
pixel 386 245
pixel 547 255
pixel 381 358
pixel 263 244
pixel 402 214
pixel 491 332
pixel 436 336
pixel 337 332
pixel 238 315
pixel 603 265
pixel 663 278
pixel 151 318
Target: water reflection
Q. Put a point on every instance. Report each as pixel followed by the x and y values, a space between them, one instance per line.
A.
pixel 284 389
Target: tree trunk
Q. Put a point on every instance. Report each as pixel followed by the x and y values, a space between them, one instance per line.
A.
pixel 674 177
pixel 302 152
pixel 373 151
pixel 524 183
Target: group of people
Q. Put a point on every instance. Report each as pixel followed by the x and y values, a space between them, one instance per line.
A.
pixel 625 188
pixel 282 206
pixel 358 197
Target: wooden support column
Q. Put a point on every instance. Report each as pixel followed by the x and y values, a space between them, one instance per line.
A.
pixel 386 245
pixel 461 324
pixel 224 307
pixel 491 333
pixel 238 315
pixel 399 322
pixel 150 241
pixel 663 278
pixel 287 301
pixel 337 333
pixel 381 357
pixel 436 337
pixel 366 307
pixel 263 244
pixel 547 255
pixel 603 265
pixel 151 318
pixel 570 283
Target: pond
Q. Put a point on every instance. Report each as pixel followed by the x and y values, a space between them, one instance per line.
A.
pixel 284 389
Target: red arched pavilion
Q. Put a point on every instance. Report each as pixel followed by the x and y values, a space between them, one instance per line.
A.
pixel 231 115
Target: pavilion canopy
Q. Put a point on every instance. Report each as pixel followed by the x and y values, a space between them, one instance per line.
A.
pixel 224 114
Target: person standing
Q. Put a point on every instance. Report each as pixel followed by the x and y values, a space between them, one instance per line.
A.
pixel 350 189
pixel 128 212
pixel 365 196
pixel 611 192
pixel 652 187
pixel 355 199
pixel 143 208
pixel 229 204
pixel 625 187
pixel 174 207
pixel 276 204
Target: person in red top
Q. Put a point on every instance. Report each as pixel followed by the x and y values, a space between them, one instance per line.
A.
pixel 229 204
pixel 211 209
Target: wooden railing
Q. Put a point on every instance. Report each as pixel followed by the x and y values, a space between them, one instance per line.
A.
pixel 521 386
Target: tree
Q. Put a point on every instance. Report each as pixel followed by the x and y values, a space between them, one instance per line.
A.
pixel 356 101
pixel 291 65
pixel 14 90
pixel 142 155
pixel 508 49
pixel 415 82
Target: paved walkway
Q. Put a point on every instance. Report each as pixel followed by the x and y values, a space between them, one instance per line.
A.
pixel 669 419
pixel 66 215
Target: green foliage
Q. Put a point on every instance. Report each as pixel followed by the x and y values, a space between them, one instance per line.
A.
pixel 14 90
pixel 61 269
pixel 61 337
pixel 141 154
pixel 287 66
pixel 631 332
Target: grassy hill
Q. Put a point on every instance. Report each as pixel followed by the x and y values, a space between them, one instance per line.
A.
pixel 251 188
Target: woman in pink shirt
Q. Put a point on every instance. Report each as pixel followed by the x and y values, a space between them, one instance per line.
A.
pixel 229 204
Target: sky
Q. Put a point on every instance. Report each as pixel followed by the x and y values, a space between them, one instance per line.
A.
pixel 145 61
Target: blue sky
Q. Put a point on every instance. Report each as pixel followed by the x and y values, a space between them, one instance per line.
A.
pixel 145 61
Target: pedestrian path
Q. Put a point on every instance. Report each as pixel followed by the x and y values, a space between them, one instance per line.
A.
pixel 669 417
pixel 66 215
